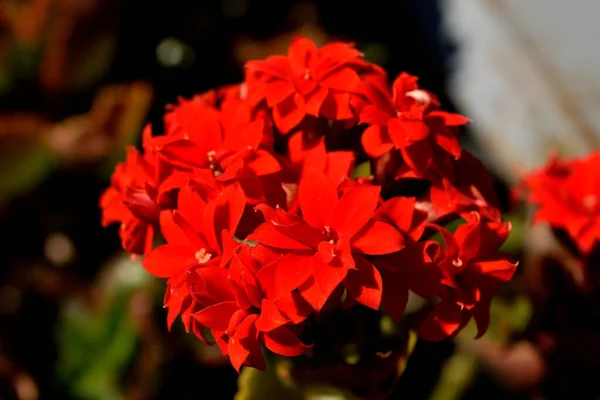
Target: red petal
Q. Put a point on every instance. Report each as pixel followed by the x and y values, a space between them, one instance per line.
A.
pixel 481 314
pixel 313 295
pixel 217 316
pixel 501 270
pixel 230 245
pixel 376 141
pixel 172 233
pixel 243 135
pixel 287 115
pixel 270 317
pixel 317 197
pixel 404 131
pixel 327 276
pixel 276 66
pixel 314 100
pixel 403 83
pixel 452 248
pixel 244 285
pixel 364 283
pixel 448 141
pixel 263 163
pixel 379 98
pixel 267 234
pixel 300 53
pixel 378 238
pixel 176 180
pixel 185 153
pixel 237 350
pixel 354 209
pixel 401 212
pixel 278 91
pixel 293 270
pixel 344 80
pixel 223 213
pixel 339 165
pixel 336 54
pixel 442 322
pixel 302 148
pixel 267 211
pixel 283 342
pixel 337 106
pixel 418 156
pixel 293 307
pixel 371 114
pixel 209 285
pixel 168 259
pixel 449 119
pixel 191 207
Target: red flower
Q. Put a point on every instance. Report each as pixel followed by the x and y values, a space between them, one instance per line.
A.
pixel 471 270
pixel 140 189
pixel 566 194
pixel 219 147
pixel 461 185
pixel 309 81
pixel 409 121
pixel 264 224
pixel 231 150
pixel 327 245
pixel 242 318
pixel 198 233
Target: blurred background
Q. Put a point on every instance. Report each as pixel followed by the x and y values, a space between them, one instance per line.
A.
pixel 79 79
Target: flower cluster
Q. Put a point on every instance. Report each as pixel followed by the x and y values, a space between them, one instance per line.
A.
pixel 252 189
pixel 565 193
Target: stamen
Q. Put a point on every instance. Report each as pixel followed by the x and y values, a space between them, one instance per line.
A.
pixel 202 256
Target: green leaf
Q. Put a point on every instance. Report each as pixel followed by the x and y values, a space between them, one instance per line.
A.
pixel 257 385
pixel 95 347
pixel 514 242
pixel 363 170
pixel 459 371
pixel 23 168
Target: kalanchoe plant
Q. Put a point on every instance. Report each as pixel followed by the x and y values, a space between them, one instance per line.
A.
pixel 566 194
pixel 267 233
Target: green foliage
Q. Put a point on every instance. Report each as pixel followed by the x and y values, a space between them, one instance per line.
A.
pixel 94 347
pixel 460 370
pixel 363 170
pixel 514 242
pixel 257 385
pixel 23 168
pixel 277 381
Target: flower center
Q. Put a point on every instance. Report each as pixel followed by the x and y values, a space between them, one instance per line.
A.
pixel 306 74
pixel 213 163
pixel 202 256
pixel 330 235
pixel 457 262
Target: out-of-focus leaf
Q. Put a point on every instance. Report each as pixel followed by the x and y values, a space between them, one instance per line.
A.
pixel 459 371
pixel 21 169
pixel 5 79
pixel 514 242
pixel 88 67
pixel 25 59
pixel 257 385
pixel 363 170
pixel 95 347
pixel 278 381
pixel 376 53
